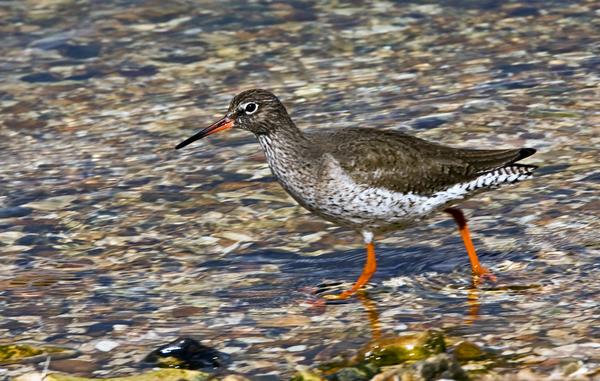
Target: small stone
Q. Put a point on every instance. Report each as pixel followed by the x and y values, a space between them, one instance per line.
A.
pixel 186 311
pixel 308 91
pixel 73 366
pixel 52 203
pixel 144 71
pixel 432 121
pixel 480 105
pixel 40 77
pixel 106 345
pixel 80 51
pixel 235 377
pixel 524 12
pixel 351 374
pixel 438 367
pixel 413 347
pixel 186 353
pixel 296 348
pixel 467 351
pixel 16 211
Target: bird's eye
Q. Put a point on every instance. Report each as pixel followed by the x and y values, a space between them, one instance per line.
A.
pixel 250 108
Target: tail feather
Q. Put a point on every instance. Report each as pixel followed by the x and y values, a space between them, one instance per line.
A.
pixel 511 173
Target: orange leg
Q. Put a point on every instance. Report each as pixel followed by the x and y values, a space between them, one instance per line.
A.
pixel 368 271
pixel 461 221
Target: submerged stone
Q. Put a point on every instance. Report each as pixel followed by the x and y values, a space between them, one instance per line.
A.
pixel 467 351
pixel 16 211
pixel 307 375
pixel 405 348
pixel 438 367
pixel 80 51
pixel 22 353
pixel 40 77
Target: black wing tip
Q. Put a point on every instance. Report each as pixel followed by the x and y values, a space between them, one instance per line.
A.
pixel 526 152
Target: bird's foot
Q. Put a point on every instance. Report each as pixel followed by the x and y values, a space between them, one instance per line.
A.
pixel 481 273
pixel 344 295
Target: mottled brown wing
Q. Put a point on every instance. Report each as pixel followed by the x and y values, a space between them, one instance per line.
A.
pixel 404 163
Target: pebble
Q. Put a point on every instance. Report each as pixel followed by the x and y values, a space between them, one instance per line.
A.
pixel 52 204
pixel 296 348
pixel 16 211
pixel 106 345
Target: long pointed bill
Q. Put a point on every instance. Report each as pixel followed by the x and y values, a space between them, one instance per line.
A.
pixel 221 125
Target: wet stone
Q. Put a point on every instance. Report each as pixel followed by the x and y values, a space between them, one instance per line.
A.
pixel 90 73
pixel 80 51
pixel 73 366
pixel 186 353
pixel 31 239
pixel 101 329
pixel 24 353
pixel 14 212
pixel 143 71
pixel 432 121
pixel 466 351
pixel 523 12
pixel 401 349
pixel 41 77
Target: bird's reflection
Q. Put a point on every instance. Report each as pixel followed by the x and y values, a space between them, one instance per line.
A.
pixel 473 304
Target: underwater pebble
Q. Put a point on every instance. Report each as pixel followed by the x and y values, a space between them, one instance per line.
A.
pixel 106 345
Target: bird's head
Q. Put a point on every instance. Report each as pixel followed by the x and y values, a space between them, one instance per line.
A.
pixel 256 110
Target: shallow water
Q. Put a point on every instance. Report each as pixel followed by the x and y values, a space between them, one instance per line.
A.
pixel 106 232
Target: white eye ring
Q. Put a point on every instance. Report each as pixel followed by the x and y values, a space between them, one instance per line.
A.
pixel 252 105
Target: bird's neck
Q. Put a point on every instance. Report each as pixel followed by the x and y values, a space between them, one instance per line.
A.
pixel 287 150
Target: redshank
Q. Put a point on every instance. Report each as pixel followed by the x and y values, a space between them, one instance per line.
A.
pixel 369 180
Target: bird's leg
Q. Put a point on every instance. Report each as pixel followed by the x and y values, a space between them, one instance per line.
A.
pixel 461 221
pixel 368 270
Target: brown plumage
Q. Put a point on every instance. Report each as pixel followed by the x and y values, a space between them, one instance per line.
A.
pixel 369 180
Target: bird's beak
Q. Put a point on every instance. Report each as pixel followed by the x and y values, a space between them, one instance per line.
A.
pixel 221 125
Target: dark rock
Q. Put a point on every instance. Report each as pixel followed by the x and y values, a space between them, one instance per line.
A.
pixel 351 374
pixel 186 353
pixel 517 68
pixel 40 228
pixel 93 73
pixel 431 121
pixel 80 51
pixel 100 329
pixel 144 71
pixel 438 367
pixel 31 239
pixel 17 211
pixel 73 366
pixel 524 12
pixel 594 177
pixel 40 77
pixel 167 196
pixel 181 58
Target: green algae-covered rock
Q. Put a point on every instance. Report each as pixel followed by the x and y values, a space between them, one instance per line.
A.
pixel 467 351
pixel 22 353
pixel 156 375
pixel 441 366
pixel 307 375
pixel 406 348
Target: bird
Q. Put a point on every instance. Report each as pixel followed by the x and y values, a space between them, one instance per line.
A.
pixel 366 179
